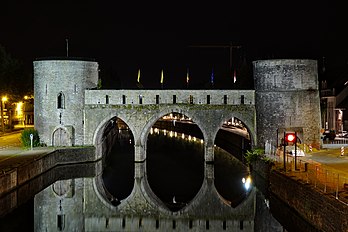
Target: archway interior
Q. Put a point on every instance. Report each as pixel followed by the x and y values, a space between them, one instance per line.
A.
pixel 175 160
pixel 118 149
pixel 231 143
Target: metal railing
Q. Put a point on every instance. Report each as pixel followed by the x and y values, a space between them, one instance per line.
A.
pixel 323 178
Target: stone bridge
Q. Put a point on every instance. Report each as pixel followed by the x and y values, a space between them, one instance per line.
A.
pixel 140 109
pixel 69 110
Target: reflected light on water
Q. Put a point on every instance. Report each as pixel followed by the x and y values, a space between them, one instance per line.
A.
pixel 247 182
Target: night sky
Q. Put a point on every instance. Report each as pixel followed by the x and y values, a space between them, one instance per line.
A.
pixel 176 36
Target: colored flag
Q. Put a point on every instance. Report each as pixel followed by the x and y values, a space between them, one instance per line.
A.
pixel 139 75
pixel 187 76
pixel 162 76
pixel 212 76
pixel 234 76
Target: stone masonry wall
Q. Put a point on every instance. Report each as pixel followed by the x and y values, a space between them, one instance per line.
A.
pixel 71 78
pixel 287 98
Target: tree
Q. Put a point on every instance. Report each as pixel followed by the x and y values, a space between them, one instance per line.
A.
pixel 15 80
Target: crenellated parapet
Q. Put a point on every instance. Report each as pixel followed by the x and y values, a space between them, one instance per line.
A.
pixel 177 96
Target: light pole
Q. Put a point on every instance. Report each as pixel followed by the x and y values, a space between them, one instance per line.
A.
pixel 3 99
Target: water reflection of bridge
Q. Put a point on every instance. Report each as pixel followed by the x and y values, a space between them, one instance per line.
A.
pixel 81 204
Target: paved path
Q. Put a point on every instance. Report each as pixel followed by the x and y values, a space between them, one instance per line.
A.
pixel 331 159
pixel 13 155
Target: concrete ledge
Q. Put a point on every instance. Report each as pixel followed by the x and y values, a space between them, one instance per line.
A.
pixel 42 163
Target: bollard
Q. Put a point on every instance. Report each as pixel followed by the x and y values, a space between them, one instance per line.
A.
pixel 342 151
pixel 31 141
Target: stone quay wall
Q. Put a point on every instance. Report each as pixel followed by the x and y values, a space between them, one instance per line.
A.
pixel 20 175
pixel 321 210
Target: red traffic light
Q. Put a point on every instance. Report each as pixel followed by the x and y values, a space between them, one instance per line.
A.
pixel 290 137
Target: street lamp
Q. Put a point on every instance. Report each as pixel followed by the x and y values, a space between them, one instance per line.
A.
pixel 3 99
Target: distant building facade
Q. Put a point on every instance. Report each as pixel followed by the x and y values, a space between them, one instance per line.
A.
pixel 333 111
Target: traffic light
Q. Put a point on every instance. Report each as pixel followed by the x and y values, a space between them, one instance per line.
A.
pixel 290 138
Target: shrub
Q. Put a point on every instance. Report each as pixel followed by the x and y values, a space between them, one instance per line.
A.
pixel 25 137
pixel 254 154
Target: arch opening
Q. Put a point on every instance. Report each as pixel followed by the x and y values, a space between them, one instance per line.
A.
pixel 175 160
pixel 118 160
pixel 231 142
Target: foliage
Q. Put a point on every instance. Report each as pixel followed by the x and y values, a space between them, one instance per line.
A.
pixel 25 137
pixel 99 86
pixel 267 160
pixel 15 80
pixel 254 154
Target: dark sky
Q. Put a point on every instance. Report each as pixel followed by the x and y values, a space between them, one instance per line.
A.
pixel 123 37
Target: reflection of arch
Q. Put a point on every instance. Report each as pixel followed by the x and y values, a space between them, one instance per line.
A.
pixel 116 141
pixel 60 101
pixel 60 137
pixel 63 187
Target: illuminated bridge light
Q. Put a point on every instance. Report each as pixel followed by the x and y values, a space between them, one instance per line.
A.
pixel 151 131
pixel 183 136
pixel 202 141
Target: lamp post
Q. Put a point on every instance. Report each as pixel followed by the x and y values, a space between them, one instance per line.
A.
pixel 3 99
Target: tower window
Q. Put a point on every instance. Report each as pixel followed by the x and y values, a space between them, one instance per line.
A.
pixel 60 222
pixel 208 99
pixel 225 99
pixel 191 99
pixel 60 101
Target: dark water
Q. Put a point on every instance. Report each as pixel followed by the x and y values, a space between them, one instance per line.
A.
pixel 174 167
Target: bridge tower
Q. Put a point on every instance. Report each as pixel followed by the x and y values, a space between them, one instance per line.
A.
pixel 287 99
pixel 59 92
